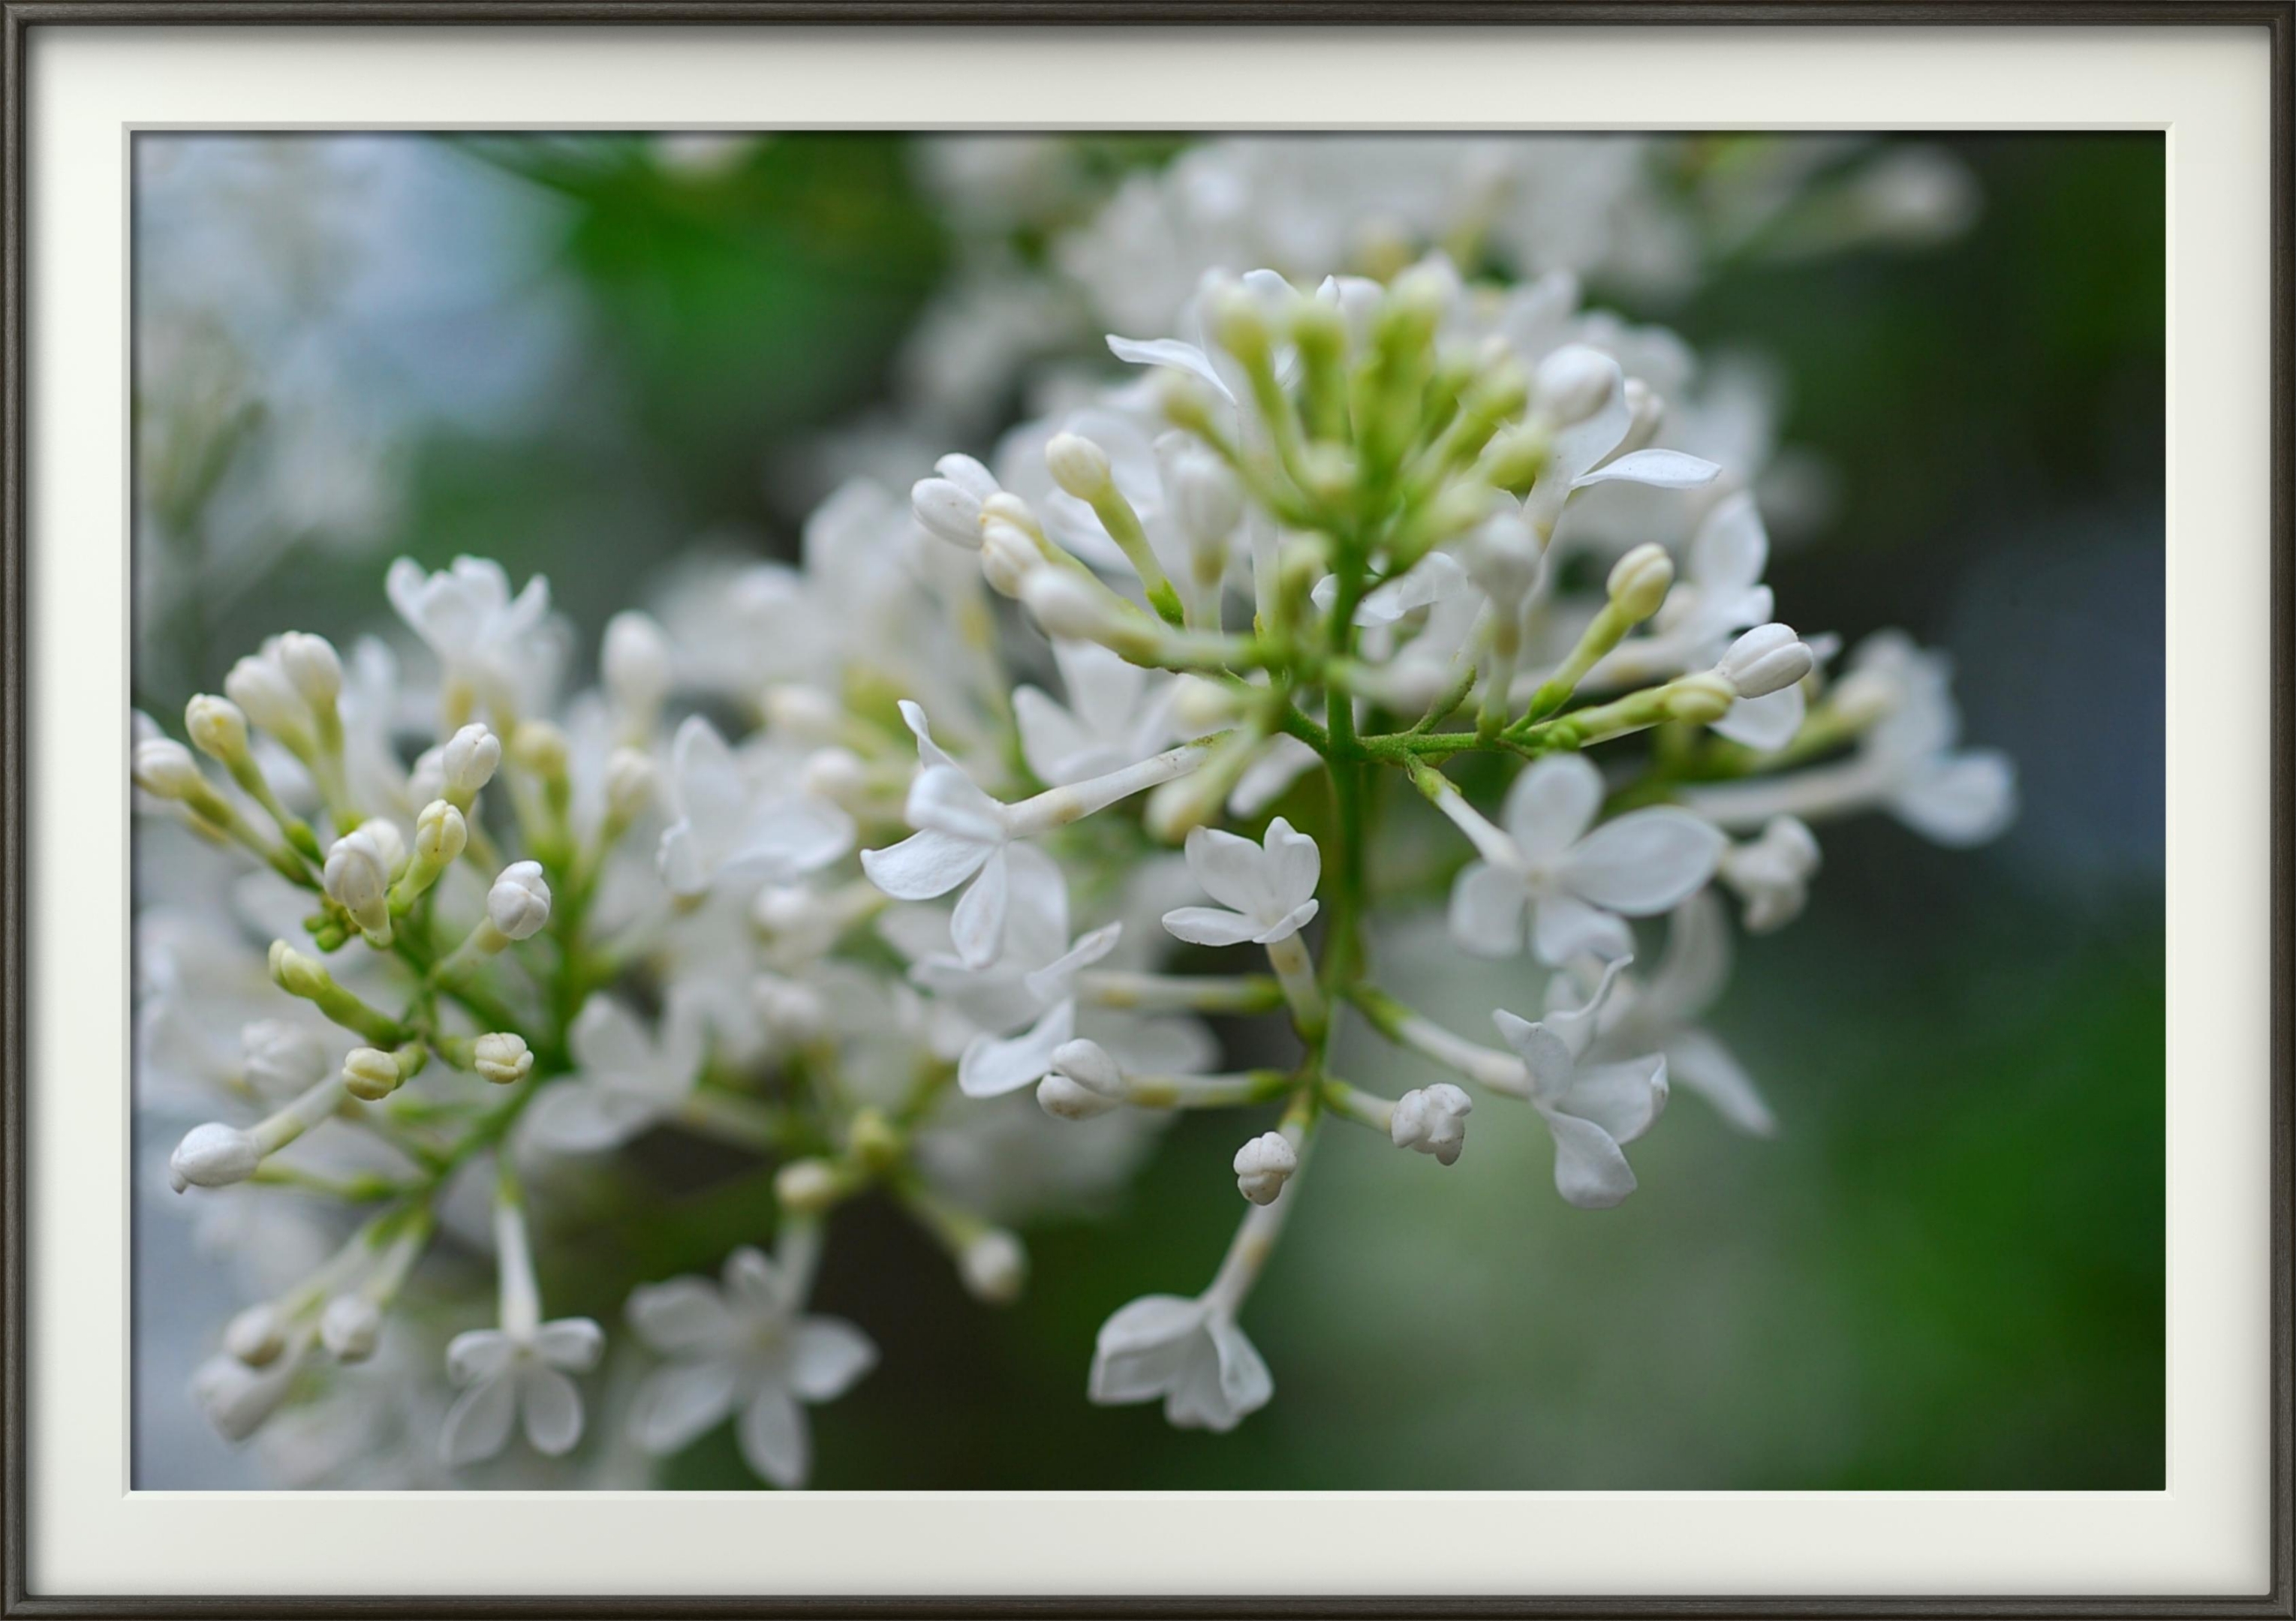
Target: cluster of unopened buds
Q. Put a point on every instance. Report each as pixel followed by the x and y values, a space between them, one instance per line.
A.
pixel 920 932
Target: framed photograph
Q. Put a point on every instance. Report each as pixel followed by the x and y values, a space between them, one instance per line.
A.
pixel 1414 811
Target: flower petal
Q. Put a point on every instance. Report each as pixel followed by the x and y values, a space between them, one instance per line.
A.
pixel 774 1438
pixel 1049 983
pixel 678 1314
pixel 976 928
pixel 1293 866
pixel 1169 352
pixel 1765 724
pixel 1551 804
pixel 827 1355
pixel 1646 862
pixel 478 1353
pixel 991 1068
pixel 943 798
pixel 679 1402
pixel 1228 866
pixel 1730 550
pixel 551 1408
pixel 608 1040
pixel 1625 1099
pixel 1590 1171
pixel 1543 1052
pixel 478 1423
pixel 1564 927
pixel 587 1117
pixel 1961 799
pixel 1700 1061
pixel 924 865
pixel 1291 923
pixel 1486 906
pixel 1141 1349
pixel 572 1343
pixel 1664 469
pixel 1209 926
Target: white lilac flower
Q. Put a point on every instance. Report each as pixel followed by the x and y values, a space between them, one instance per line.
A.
pixel 1587 391
pixel 1771 875
pixel 492 649
pixel 1266 889
pixel 745 1349
pixel 518 1370
pixel 1662 1013
pixel 1116 714
pixel 1906 763
pixel 625 1078
pixel 731 829
pixel 962 833
pixel 1591 1109
pixel 1576 885
pixel 1023 1005
pixel 1191 1353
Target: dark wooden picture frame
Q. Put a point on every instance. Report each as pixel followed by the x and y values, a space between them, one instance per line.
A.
pixel 2276 17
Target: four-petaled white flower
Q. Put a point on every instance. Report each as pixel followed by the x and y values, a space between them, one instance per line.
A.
pixel 498 646
pixel 1590 1109
pixel 1116 714
pixel 1577 885
pixel 624 1079
pixel 962 831
pixel 729 829
pixel 1771 875
pixel 1268 889
pixel 743 1348
pixel 1023 1006
pixel 1189 1352
pixel 523 1376
pixel 1660 1014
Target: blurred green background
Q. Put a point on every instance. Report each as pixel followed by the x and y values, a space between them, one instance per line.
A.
pixel 1945 1272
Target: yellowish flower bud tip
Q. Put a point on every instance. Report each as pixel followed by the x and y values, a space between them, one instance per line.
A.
pixel 217 727
pixel 540 747
pixel 1238 323
pixel 165 769
pixel 1077 465
pixel 297 974
pixel 875 1140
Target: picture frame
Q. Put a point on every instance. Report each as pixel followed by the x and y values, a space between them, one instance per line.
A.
pixel 2234 1472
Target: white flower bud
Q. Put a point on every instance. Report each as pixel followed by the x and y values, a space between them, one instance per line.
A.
pixel 357 878
pixel 1432 1119
pixel 1067 608
pixel 835 774
pixel 794 1014
pixel 165 769
pixel 1264 1164
pixel 262 690
pixel 540 746
pixel 1088 1064
pixel 1200 706
pixel 1005 507
pixel 805 712
pixel 1768 659
pixel 807 1186
pixel 634 661
pixel 1061 1097
pixel 1077 465
pixel 213 1156
pixel 1573 384
pixel 1236 320
pixel 389 843
pixel 237 1399
pixel 470 760
pixel 370 1074
pixel 1771 875
pixel 297 974
pixel 350 1327
pixel 440 835
pixel 1640 580
pixel 257 1335
pixel 217 727
pixel 280 1059
pixel 630 780
pixel 312 666
pixel 994 1267
pixel 948 507
pixel 518 904
pixel 1702 700
pixel 946 512
pixel 1009 559
pixel 1210 500
pixel 501 1057
pixel 1504 558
